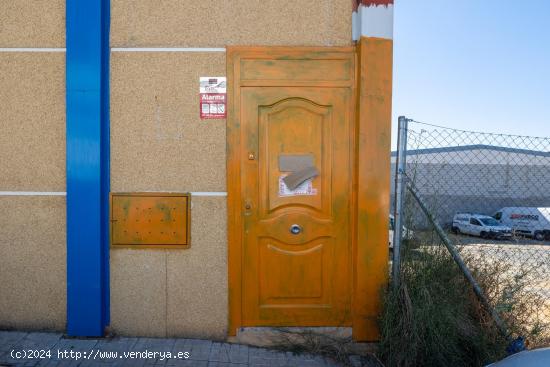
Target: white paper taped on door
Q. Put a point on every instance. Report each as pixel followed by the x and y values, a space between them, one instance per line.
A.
pixel 306 188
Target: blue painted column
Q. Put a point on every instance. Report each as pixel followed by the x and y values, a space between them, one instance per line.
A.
pixel 87 80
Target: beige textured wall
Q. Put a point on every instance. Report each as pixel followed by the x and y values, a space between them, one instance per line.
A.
pixel 175 292
pixel 159 143
pixel 32 142
pixel 32 151
pixel 32 23
pixel 217 23
pixel 32 262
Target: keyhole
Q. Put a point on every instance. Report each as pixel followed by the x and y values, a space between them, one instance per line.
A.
pixel 295 229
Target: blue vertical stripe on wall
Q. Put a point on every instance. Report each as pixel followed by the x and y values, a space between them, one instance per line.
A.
pixel 87 80
pixel 105 153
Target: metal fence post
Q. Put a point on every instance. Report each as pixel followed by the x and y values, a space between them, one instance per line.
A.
pixel 400 177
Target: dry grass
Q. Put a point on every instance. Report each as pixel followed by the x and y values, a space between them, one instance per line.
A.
pixel 434 318
pixel 338 349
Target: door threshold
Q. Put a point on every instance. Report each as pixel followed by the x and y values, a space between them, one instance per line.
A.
pixel 290 337
pixel 274 336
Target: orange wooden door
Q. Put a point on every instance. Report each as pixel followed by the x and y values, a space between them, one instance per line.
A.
pixel 301 278
pixel 331 105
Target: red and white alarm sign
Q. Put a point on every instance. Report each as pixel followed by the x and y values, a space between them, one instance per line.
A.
pixel 213 97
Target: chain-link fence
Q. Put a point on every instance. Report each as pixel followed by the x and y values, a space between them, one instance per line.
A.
pixel 490 193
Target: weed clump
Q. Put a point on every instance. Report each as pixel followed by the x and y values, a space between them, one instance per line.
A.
pixel 433 318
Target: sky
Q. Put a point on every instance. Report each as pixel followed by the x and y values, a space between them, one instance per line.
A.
pixel 480 65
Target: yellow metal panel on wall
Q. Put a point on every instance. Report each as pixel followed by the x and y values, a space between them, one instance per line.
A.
pixel 152 220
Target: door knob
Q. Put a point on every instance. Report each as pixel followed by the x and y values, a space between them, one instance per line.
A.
pixel 295 229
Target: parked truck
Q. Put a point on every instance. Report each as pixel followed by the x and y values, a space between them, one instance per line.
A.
pixel 528 221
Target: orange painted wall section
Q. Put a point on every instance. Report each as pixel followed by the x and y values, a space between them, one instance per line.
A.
pixel 373 182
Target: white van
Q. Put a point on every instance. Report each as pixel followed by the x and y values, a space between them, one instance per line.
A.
pixel 533 222
pixel 480 225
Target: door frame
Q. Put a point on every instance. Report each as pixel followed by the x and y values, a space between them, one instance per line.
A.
pixel 370 137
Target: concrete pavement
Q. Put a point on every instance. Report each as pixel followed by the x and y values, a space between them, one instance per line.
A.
pixel 53 349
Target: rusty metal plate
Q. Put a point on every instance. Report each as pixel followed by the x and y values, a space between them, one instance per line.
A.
pixel 152 220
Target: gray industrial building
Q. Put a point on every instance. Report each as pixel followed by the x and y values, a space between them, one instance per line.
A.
pixel 477 178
